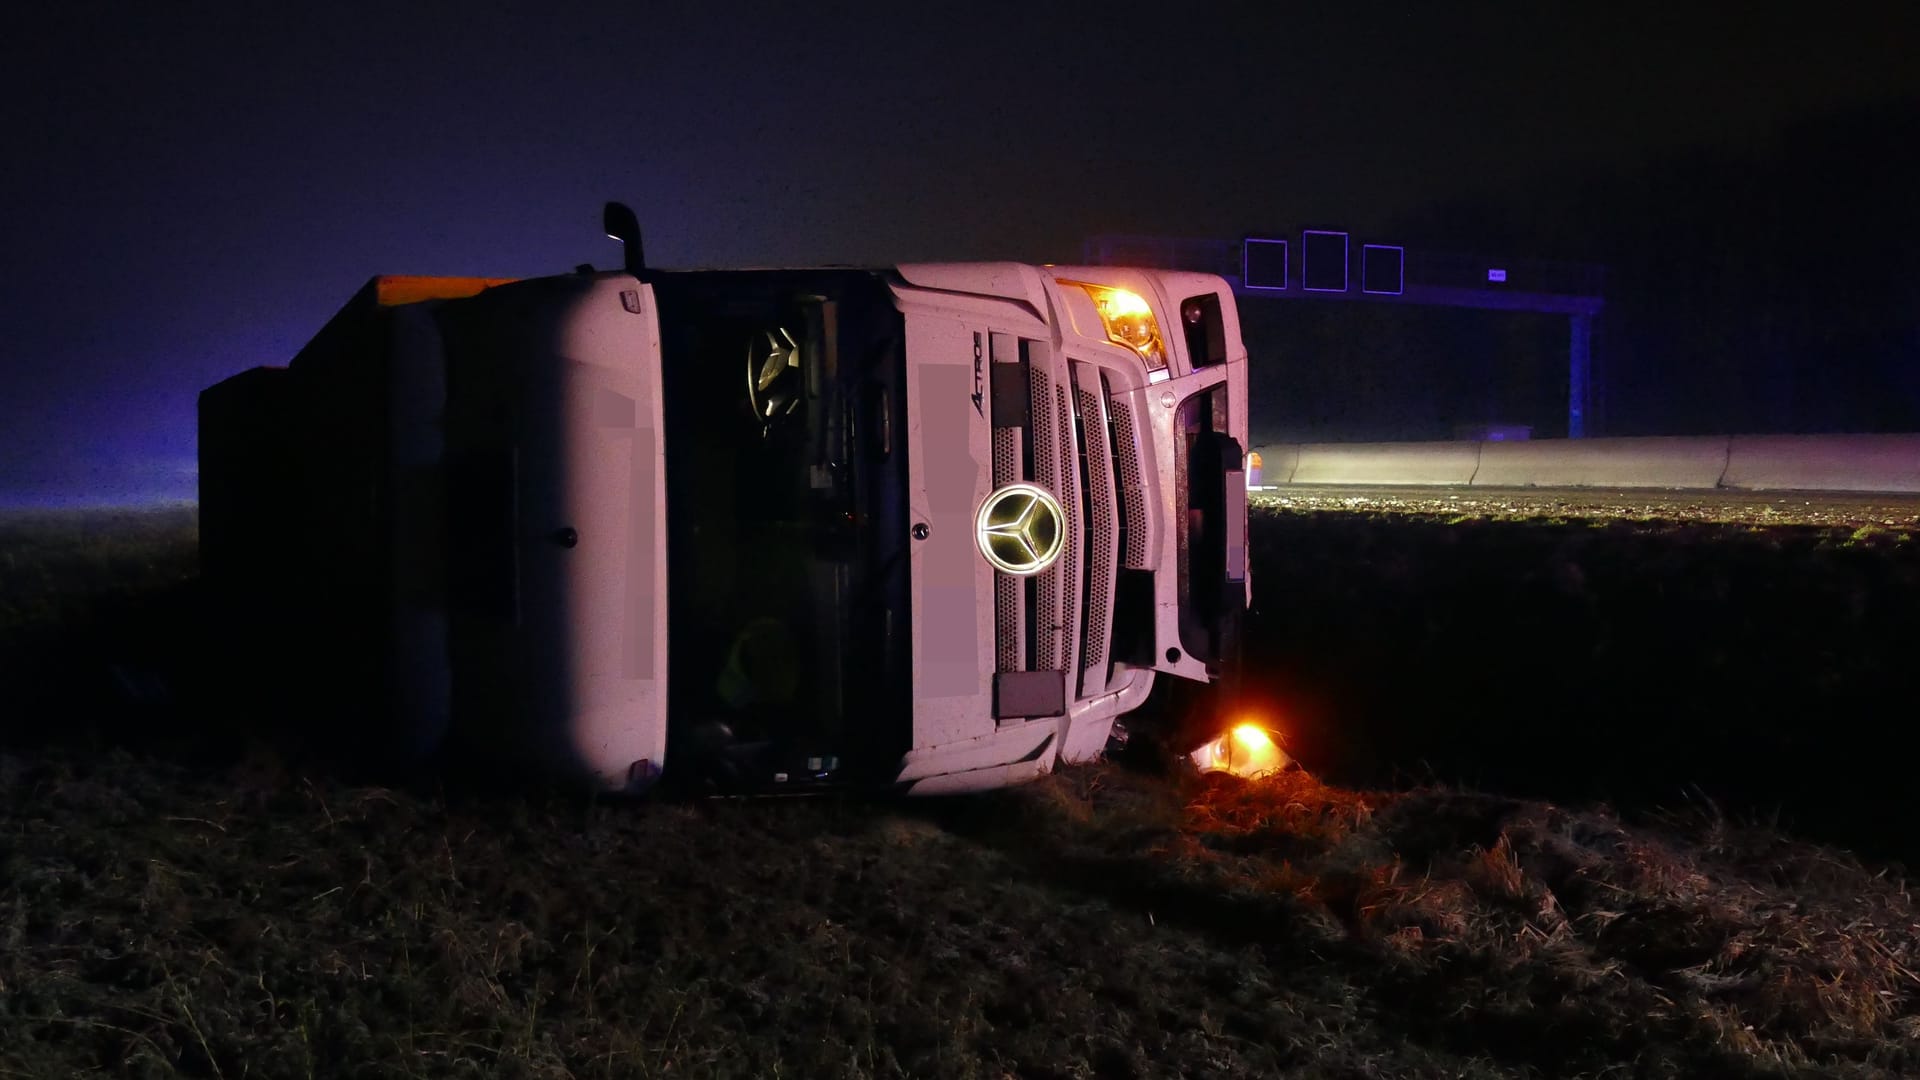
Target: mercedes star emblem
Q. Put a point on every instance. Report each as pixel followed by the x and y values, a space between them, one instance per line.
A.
pixel 1021 529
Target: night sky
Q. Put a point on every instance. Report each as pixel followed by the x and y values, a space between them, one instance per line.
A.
pixel 189 195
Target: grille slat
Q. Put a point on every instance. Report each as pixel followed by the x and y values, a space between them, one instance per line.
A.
pixel 1102 539
pixel 1008 618
pixel 1049 652
pixel 1067 570
pixel 1132 486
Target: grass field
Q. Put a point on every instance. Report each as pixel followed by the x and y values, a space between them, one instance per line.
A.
pixel 172 903
pixel 1766 667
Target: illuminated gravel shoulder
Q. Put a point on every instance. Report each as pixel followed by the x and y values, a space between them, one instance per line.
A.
pixel 1899 513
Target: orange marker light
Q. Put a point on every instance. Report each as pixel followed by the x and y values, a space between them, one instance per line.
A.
pixel 1245 750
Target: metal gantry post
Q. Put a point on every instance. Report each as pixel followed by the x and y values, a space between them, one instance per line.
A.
pixel 1579 374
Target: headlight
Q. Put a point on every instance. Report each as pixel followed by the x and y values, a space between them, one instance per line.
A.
pixel 1128 320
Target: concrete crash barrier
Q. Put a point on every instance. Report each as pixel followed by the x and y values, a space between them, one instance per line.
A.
pixel 1385 463
pixel 1655 462
pixel 1824 463
pixel 1864 463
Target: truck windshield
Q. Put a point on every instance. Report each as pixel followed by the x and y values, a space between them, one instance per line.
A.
pixel 786 524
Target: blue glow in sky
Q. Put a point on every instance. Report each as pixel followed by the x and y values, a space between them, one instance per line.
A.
pixel 190 193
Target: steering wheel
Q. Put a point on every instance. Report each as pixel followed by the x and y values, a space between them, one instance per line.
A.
pixel 775 383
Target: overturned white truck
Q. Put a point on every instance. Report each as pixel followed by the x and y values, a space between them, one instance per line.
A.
pixel 930 527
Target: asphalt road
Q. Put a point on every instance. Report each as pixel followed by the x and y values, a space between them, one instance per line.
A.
pixel 1818 508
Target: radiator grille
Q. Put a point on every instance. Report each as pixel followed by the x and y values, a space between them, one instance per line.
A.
pixel 1035 617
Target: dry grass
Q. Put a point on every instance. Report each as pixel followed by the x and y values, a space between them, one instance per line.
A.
pixel 167 913
pixel 1693 946
pixel 165 920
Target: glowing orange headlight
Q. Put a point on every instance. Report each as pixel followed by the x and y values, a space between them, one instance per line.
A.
pixel 1128 320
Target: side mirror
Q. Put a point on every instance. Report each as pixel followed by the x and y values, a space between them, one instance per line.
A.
pixel 621 224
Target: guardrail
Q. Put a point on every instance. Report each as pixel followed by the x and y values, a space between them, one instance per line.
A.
pixel 1862 463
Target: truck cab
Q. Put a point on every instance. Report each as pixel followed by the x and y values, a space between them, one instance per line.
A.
pixel 928 528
